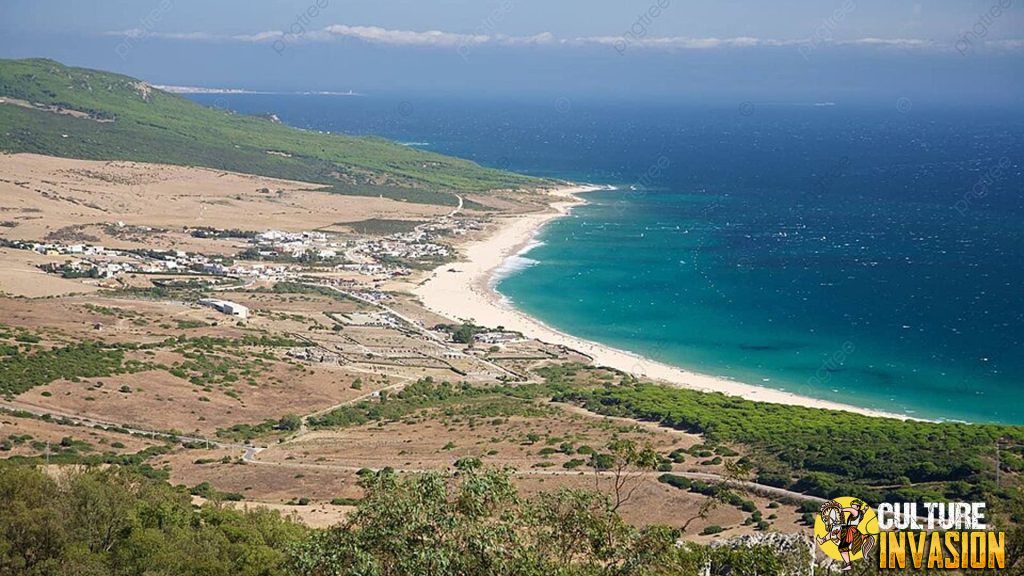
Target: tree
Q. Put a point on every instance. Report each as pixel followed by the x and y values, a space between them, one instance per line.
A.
pixel 291 422
pixel 32 530
pixel 475 522
pixel 628 463
pixel 114 521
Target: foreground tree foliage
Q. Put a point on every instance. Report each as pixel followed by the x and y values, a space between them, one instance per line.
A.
pixel 476 523
pixel 114 522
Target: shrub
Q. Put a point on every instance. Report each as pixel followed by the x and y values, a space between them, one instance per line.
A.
pixel 676 481
pixel 602 461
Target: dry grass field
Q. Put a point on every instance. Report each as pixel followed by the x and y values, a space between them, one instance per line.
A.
pixel 182 368
pixel 42 194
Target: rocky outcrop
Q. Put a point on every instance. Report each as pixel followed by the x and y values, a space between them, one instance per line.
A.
pixel 796 552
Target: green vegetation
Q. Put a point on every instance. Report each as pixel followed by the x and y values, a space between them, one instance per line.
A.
pixel 206 491
pixel 828 453
pixel 21 371
pixel 289 423
pixel 189 324
pixel 111 311
pixel 105 522
pixel 382 226
pixel 209 232
pixel 70 271
pixel 72 454
pixel 209 361
pixel 130 120
pixel 461 333
pixel 453 399
pixel 315 289
pixel 719 492
pixel 476 523
pixel 224 362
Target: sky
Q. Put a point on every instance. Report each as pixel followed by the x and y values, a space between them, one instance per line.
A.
pixel 959 51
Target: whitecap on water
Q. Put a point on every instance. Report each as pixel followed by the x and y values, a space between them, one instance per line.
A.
pixel 516 263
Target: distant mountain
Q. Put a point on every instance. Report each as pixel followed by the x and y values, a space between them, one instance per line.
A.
pixel 49 108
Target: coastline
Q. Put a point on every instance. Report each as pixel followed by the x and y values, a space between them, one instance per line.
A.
pixel 464 290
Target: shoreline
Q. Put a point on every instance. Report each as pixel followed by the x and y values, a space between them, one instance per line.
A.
pixel 465 290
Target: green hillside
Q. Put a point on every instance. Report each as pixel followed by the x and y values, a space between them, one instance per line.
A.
pixel 58 110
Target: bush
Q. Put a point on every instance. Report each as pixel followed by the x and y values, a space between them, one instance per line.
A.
pixel 22 372
pixel 713 529
pixel 291 422
pixel 602 461
pixel 803 441
pixel 676 481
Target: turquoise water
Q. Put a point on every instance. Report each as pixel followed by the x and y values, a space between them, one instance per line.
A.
pixel 857 252
pixel 824 308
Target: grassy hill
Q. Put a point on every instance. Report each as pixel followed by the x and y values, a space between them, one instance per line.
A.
pixel 58 110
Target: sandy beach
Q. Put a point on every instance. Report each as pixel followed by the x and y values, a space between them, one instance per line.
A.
pixel 464 291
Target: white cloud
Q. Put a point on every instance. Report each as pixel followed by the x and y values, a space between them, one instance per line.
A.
pixel 407 37
pixel 897 42
pixel 442 39
pixel 1006 44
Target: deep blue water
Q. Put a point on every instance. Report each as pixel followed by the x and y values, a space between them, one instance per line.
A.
pixel 870 254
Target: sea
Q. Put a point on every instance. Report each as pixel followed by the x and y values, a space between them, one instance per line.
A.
pixel 869 253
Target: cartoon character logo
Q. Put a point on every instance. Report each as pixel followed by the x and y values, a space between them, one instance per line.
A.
pixel 845 529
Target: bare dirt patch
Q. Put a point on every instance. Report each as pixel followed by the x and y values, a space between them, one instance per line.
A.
pixel 46 193
pixel 41 432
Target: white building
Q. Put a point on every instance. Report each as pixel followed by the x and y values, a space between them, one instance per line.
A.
pixel 227 307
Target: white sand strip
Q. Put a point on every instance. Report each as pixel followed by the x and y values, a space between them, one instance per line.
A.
pixel 463 291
